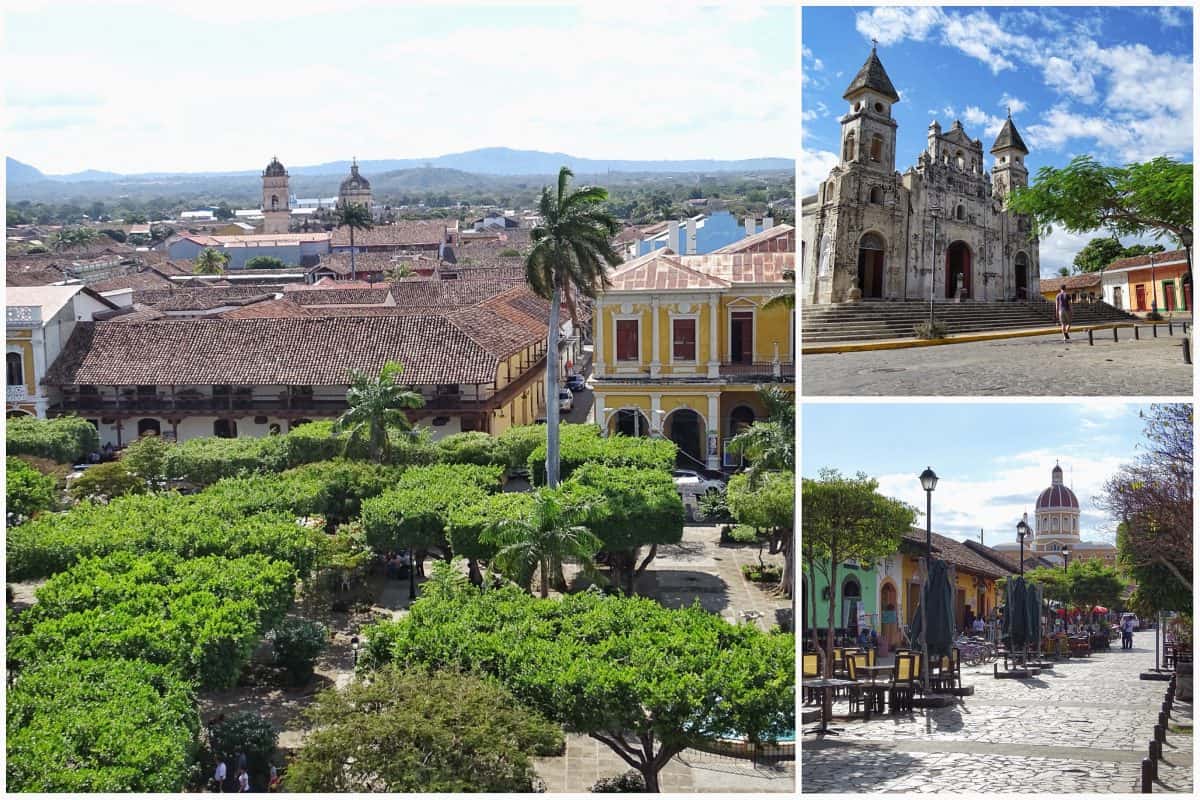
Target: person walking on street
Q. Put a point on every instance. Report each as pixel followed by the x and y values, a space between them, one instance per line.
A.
pixel 1062 306
pixel 219 775
pixel 243 780
pixel 1127 633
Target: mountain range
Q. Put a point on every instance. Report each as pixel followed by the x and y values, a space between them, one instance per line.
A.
pixel 484 161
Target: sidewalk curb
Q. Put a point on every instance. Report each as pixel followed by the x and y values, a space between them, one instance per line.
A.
pixel 962 338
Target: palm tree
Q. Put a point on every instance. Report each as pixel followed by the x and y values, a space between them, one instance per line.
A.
pixel 769 444
pixel 210 262
pixel 376 406
pixel 571 248
pixel 550 536
pixel 354 216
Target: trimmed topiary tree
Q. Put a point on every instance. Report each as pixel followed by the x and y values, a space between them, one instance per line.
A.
pixel 27 491
pixel 108 480
pixel 296 643
pixel 63 439
pixel 249 734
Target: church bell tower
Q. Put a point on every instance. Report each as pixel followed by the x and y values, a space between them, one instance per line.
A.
pixel 276 212
pixel 1009 170
pixel 868 129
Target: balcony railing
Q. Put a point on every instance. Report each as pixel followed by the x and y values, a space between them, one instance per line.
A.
pixel 17 394
pixel 772 369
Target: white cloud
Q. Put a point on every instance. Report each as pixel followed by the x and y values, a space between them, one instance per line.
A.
pixel 1131 138
pixel 811 114
pixel 980 36
pixel 977 116
pixel 1067 78
pixel 1014 104
pixel 891 24
pixel 812 168
pixel 1060 248
pixel 1171 16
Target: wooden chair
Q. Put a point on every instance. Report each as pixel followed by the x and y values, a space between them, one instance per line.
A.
pixel 811 665
pixel 904 676
pixel 949 672
pixel 854 693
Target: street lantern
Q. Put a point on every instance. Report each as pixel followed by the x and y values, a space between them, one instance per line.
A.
pixel 1066 554
pixel 354 648
pixel 1022 532
pixel 929 481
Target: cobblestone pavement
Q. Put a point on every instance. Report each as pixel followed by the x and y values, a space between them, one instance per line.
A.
pixel 1082 726
pixel 1036 365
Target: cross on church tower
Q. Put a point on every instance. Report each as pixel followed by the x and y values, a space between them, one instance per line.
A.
pixel 874 42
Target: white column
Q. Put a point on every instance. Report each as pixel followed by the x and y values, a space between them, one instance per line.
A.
pixel 714 363
pixel 598 338
pixel 655 420
pixel 655 364
pixel 598 412
pixel 714 429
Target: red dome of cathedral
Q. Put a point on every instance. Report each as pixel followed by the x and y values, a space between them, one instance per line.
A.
pixel 1057 495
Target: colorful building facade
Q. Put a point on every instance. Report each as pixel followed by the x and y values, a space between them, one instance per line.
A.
pixel 682 342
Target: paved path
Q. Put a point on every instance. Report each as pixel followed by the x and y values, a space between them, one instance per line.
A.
pixel 1036 365
pixel 1082 726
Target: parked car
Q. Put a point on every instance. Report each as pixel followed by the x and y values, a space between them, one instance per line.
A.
pixel 692 482
pixel 576 383
pixel 566 401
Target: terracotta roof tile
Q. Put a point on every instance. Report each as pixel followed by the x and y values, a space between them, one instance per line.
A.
pixel 267 309
pixel 956 553
pixel 661 270
pixel 405 233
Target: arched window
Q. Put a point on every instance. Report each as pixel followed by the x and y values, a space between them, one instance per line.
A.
pixel 274 202
pixel 959 160
pixel 1003 159
pixel 848 149
pixel 225 428
pixel 960 212
pixel 14 369
pixel 876 195
pixel 876 147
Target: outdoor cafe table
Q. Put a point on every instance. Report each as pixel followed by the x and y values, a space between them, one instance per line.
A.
pixel 828 685
pixel 874 673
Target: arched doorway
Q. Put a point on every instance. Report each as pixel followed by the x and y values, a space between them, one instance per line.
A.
pixel 630 422
pixel 1021 276
pixel 889 630
pixel 740 419
pixel 958 269
pixel 870 265
pixel 685 428
pixel 148 425
pixel 1118 300
pixel 851 595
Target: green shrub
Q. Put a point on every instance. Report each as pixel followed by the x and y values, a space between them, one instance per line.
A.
pixel 111 479
pixel 313 441
pixel 265 262
pixel 474 447
pixel 628 781
pixel 205 461
pixel 250 734
pixel 742 534
pixel 187 526
pixel 466 523
pixel 584 445
pixel 147 458
pixel 27 491
pixel 762 574
pixel 296 644
pixel 63 439
pixel 203 617
pixel 100 726
pixel 634 507
pixel 415 513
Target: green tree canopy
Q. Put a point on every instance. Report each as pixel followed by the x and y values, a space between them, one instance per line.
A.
pixel 769 506
pixel 846 519
pixel 1083 584
pixel 417 731
pixel 645 680
pixel 27 491
pixel 543 541
pixel 265 262
pixel 1098 253
pixel 210 262
pixel 355 217
pixel 377 405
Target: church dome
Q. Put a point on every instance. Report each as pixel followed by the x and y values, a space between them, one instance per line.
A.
pixel 1057 495
pixel 355 181
pixel 274 169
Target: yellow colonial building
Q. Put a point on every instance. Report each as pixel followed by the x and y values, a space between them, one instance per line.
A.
pixel 682 342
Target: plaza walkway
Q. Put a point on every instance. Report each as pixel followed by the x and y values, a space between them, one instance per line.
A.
pixel 1082 726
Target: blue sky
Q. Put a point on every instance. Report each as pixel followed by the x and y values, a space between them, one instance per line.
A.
pixel 131 86
pixel 992 459
pixel 1115 83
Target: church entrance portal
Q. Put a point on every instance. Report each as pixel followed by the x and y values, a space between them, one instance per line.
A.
pixel 870 266
pixel 958 269
pixel 1021 270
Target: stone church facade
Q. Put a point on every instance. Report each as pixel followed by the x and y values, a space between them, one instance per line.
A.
pixel 872 230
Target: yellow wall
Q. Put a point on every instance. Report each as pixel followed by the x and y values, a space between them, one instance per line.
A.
pixel 22 340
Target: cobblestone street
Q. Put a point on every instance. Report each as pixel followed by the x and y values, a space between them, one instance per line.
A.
pixel 1036 365
pixel 1082 726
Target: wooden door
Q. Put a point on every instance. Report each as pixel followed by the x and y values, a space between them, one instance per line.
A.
pixel 1169 295
pixel 1141 297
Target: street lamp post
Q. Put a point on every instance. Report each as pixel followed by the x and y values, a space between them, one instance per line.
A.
pixel 1022 532
pixel 412 574
pixel 1066 554
pixel 929 481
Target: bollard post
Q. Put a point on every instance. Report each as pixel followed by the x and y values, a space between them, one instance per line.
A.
pixel 1090 342
pixel 1155 751
pixel 1162 720
pixel 1154 327
pixel 1187 350
pixel 1147 776
pixel 1170 328
pixel 1159 736
pixel 1115 339
pixel 1137 334
pixel 1184 328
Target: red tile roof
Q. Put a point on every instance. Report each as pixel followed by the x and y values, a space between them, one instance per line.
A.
pixel 955 553
pixel 405 233
pixel 1088 280
pixel 661 270
pixel 1159 258
pixel 776 239
pixel 267 309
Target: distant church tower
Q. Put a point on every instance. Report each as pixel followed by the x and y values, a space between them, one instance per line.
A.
pixel 276 213
pixel 355 189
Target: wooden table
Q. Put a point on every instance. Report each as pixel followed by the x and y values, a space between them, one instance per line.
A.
pixel 873 672
pixel 827 685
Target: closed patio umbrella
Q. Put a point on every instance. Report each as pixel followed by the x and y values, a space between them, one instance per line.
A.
pixel 1033 607
pixel 1016 618
pixel 939 600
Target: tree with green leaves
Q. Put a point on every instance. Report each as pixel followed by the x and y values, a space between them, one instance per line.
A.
pixel 1084 583
pixel 355 217
pixel 848 520
pixel 552 535
pixel 71 237
pixel 571 250
pixel 769 507
pixel 1152 497
pixel 1097 254
pixel 411 730
pixel 147 458
pixel 378 405
pixel 644 680
pixel 26 490
pixel 265 262
pixel 1151 197
pixel 210 262
pixel 770 444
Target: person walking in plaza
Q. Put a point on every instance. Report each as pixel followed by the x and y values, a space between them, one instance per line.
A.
pixel 219 775
pixel 1062 306
pixel 1127 633
pixel 243 779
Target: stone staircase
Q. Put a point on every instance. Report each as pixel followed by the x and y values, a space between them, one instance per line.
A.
pixel 870 320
